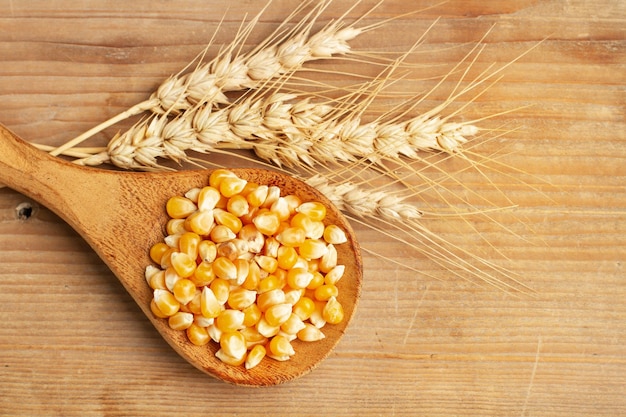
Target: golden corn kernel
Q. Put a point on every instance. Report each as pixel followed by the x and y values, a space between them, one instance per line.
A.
pixel 228 219
pixel 304 307
pixel 298 278
pixel 188 243
pixel 266 263
pixel 193 194
pixel 334 275
pixel 221 289
pixel 233 344
pixel 310 333
pixel 287 257
pixel 277 314
pixel 218 175
pixel 197 335
pixel 208 197
pixel 257 196
pixel 200 320
pixel 264 328
pixel 329 260
pixel 172 241
pixel 228 250
pixel 292 325
pixel 334 234
pixel 231 185
pixel 179 207
pixel 253 278
pixel 266 222
pixel 200 222
pixel 230 320
pixel 255 239
pixel 267 299
pixel 251 315
pixel 292 236
pixel 166 302
pixel 157 250
pixel 171 278
pixel 207 251
pixel 166 259
pixel 214 332
pixel 281 346
pixel 180 320
pixel 229 360
pixel 184 290
pixel 271 282
pixel 281 208
pixel 209 305
pixel 315 230
pixel 293 202
pixel 238 205
pixel 314 209
pixel 194 306
pixel 240 298
pixel 157 281
pixel 155 310
pixel 183 264
pixel 325 292
pixel 318 279
pixel 203 274
pixel 292 296
pixel 224 268
pixel 221 233
pixel 333 311
pixel 243 268
pixel 312 249
pixel 252 336
pixel 175 227
pixel 255 356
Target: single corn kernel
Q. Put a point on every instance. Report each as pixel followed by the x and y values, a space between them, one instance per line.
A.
pixel 171 278
pixel 325 292
pixel 315 230
pixel 287 257
pixel 329 260
pixel 183 264
pixel 267 299
pixel 207 251
pixel 200 222
pixel 318 280
pixel 255 239
pixel 264 328
pixel 228 250
pixel 273 194
pixel 197 335
pixel 229 186
pixel 334 234
pixel 157 281
pixel 240 298
pixel 271 282
pixel 255 356
pixel 179 207
pixel 292 236
pixel 251 315
pixel 277 314
pixel 194 306
pixel 238 205
pixel 266 263
pixel 175 227
pixel 334 275
pixel 218 175
pixel 193 194
pixel 209 305
pixel 293 202
pixel 180 320
pixel 233 344
pixel 281 208
pixel 224 268
pixel 202 321
pixel 150 271
pixel 333 311
pixel 312 249
pixel 253 337
pixel 188 243
pixel 299 278
pixel 203 274
pixel 230 320
pixel 229 360
pixel 228 219
pixel 292 325
pixel 304 307
pixel 292 296
pixel 221 233
pixel 172 240
pixel 157 251
pixel 214 333
pixel 166 259
pixel 314 209
pixel 253 278
pixel 208 197
pixel 184 291
pixel 243 268
pixel 281 346
pixel 221 289
pixel 257 196
pixel 166 302
pixel 155 310
pixel 310 333
pixel 266 222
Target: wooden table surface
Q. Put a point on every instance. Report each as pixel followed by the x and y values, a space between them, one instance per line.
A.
pixel 423 341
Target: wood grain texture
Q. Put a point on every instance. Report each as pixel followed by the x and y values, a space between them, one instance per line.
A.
pixel 73 342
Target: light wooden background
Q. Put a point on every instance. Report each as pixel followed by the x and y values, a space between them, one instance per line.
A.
pixel 73 343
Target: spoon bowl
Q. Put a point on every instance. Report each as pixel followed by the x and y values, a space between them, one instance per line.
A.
pixel 122 214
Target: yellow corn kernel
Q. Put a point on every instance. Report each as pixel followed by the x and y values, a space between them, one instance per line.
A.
pixel 166 259
pixel 229 360
pixel 228 250
pixel 293 202
pixel 240 298
pixel 287 257
pixel 188 243
pixel 334 275
pixel 183 264
pixel 214 332
pixel 179 207
pixel 155 310
pixel 202 321
pixel 310 333
pixel 228 219
pixel 172 241
pixel 243 268
pixel 180 320
pixel 271 282
pixel 267 299
pixel 255 356
pixel 252 237
pixel 329 260
pixel 230 320
pixel 291 236
pixel 257 196
pixel 233 344
pixel 304 307
pixel 221 289
pixel 193 306
pixel 253 337
pixel 264 328
pixel 277 314
pixel 333 311
pixel 292 325
pixel 203 274
pixel 231 185
pixel 175 227
pixel 207 251
pixel 266 263
pixel 315 230
pixel 157 250
pixel 298 278
pixel 171 278
pixel 312 249
pixel 334 234
pixel 221 233
pixel 157 281
pixel 314 209
pixel 238 205
pixel 318 280
pixel 253 278
pixel 166 302
pixel 281 208
pixel 218 175
pixel 281 346
pixel 224 268
pixel 324 292
pixel 292 296
pixel 208 198
pixel 210 307
pixel 184 290
pixel 197 335
pixel 266 222
pixel 273 194
pixel 251 315
pixel 193 194
pixel 200 222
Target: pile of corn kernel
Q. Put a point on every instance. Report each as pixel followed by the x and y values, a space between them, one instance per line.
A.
pixel 247 268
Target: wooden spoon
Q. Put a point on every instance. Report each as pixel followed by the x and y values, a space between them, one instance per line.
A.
pixel 122 214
